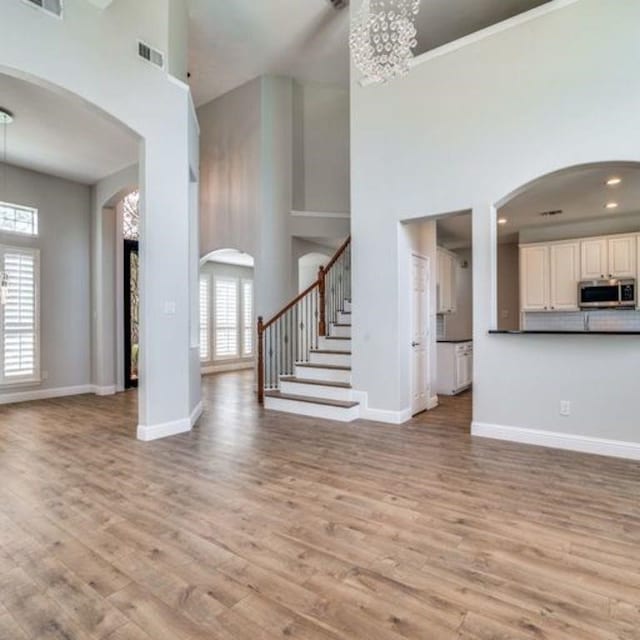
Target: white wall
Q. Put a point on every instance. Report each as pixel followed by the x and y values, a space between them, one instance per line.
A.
pixel 267 147
pixel 95 61
pixel 459 325
pixel 508 276
pixel 64 210
pixel 464 130
pixel 230 170
pixel 321 171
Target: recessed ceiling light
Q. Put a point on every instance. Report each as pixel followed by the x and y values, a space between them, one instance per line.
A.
pixel 611 205
pixel 613 182
pixel 502 221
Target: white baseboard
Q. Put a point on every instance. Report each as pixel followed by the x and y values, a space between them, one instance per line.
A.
pixel 555 440
pixel 147 433
pixel 433 403
pixel 379 415
pixel 45 394
pixel 196 413
pixel 223 368
pixel 104 391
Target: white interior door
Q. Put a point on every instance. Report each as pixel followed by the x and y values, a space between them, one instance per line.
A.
pixel 420 335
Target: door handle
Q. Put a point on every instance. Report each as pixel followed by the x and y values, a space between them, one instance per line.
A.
pixel 415 344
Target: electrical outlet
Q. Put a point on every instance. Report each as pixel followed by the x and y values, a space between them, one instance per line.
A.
pixel 565 408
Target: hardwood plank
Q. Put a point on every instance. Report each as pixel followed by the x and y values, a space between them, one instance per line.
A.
pixel 259 525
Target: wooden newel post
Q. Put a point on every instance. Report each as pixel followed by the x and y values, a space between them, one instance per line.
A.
pixel 322 324
pixel 260 360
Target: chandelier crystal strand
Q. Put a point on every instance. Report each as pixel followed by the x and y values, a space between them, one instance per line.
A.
pixel 383 36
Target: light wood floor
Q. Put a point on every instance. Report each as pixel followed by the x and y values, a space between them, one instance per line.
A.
pixel 256 527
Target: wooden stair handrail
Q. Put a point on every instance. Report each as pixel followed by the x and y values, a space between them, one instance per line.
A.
pixel 322 324
pixel 309 289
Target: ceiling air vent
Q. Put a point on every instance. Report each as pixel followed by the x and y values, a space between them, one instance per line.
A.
pixel 150 54
pixel 552 213
pixel 54 7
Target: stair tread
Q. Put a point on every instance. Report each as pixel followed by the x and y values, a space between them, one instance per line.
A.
pixel 342 404
pixel 336 338
pixel 340 324
pixel 332 352
pixel 322 366
pixel 317 383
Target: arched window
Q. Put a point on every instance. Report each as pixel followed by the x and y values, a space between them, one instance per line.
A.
pixel 131 216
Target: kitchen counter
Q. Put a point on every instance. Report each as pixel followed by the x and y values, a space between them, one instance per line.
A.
pixel 455 341
pixel 563 333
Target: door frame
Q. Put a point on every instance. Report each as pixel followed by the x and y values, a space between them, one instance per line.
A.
pixel 429 335
pixel 130 246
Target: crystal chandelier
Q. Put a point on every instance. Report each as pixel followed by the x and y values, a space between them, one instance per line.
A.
pixel 383 36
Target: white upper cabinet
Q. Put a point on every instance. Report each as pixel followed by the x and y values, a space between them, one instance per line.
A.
pixel 446 279
pixel 534 278
pixel 551 272
pixel 565 276
pixel 622 257
pixel 595 263
pixel 612 257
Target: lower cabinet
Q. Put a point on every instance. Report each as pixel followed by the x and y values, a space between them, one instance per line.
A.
pixel 455 367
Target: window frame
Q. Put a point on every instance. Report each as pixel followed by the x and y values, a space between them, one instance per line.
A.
pixel 250 327
pixel 36 377
pixel 214 354
pixel 205 278
pixel 35 222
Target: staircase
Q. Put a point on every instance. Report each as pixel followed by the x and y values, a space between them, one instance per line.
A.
pixel 303 368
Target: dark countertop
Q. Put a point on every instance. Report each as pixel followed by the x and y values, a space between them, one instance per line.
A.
pixel 455 341
pixel 564 333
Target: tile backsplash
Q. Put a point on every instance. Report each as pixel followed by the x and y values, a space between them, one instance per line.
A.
pixel 600 320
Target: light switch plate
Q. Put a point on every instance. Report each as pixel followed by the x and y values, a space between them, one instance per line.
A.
pixel 170 308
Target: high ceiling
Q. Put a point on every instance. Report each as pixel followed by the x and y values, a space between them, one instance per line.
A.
pixel 234 42
pixel 581 194
pixel 60 136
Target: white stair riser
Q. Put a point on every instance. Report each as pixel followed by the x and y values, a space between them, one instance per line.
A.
pixel 344 318
pixel 340 332
pixel 332 359
pixel 313 410
pixel 347 305
pixel 315 391
pixel 334 345
pixel 331 375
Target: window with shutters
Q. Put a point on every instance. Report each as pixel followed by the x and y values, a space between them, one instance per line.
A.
pixel 205 318
pixel 19 315
pixel 247 318
pixel 17 219
pixel 226 318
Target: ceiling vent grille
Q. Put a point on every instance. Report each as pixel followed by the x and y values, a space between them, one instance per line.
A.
pixel 552 213
pixel 54 7
pixel 150 54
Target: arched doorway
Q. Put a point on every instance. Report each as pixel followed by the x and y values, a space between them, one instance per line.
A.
pixel 227 311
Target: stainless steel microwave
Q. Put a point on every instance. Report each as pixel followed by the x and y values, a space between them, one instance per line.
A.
pixel 608 294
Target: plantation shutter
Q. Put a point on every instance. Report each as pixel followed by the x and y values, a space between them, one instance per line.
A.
pixel 226 317
pixel 19 315
pixel 247 317
pixel 205 317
